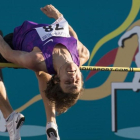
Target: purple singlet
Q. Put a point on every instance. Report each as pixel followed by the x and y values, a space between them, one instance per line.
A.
pixel 26 37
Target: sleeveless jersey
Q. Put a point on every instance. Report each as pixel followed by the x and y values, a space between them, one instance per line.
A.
pixel 45 37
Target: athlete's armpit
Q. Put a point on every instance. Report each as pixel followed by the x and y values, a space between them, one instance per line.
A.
pixel 84 53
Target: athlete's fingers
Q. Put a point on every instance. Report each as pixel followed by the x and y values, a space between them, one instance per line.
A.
pixel 53 7
pixel 46 10
pixel 45 7
pixel 43 10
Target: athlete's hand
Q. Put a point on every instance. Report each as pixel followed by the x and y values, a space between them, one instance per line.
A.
pixel 51 11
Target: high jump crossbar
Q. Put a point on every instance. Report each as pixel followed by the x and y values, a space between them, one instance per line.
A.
pixel 101 68
pixel 91 68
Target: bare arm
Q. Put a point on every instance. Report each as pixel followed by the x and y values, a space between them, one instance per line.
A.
pixel 29 60
pixel 43 78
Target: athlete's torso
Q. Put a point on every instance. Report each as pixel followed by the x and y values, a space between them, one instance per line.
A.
pixel 45 37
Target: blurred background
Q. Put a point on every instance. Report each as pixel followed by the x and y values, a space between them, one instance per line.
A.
pixel 99 25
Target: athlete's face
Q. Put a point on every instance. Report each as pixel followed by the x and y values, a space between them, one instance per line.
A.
pixel 70 78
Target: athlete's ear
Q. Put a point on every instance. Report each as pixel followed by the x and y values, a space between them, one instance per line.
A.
pixel 56 79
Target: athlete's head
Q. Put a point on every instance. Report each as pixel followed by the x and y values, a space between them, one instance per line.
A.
pixel 70 78
pixel 65 88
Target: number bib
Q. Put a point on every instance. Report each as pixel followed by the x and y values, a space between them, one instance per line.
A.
pixel 58 28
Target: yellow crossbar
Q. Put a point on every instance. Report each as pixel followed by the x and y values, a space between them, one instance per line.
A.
pixel 93 68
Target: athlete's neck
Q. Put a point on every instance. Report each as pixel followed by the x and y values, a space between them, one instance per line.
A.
pixel 60 56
